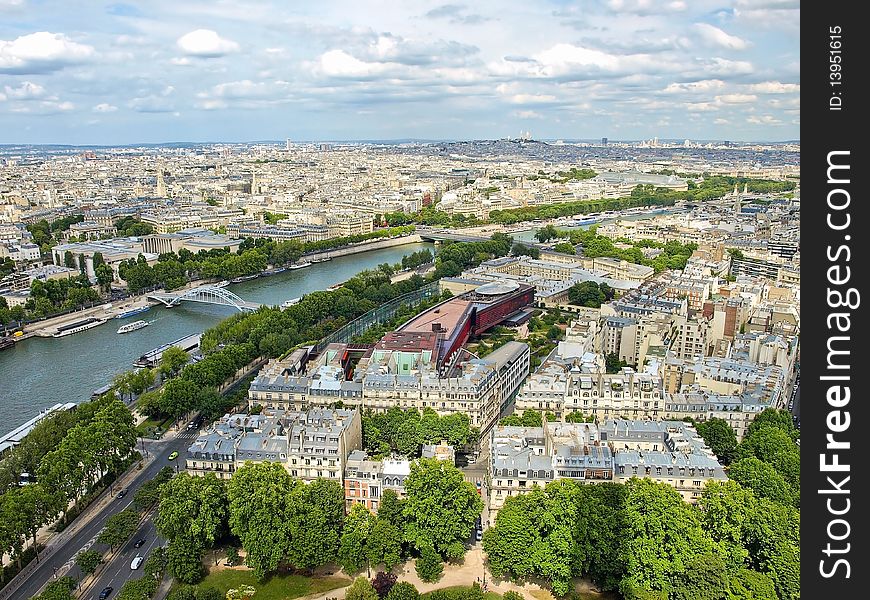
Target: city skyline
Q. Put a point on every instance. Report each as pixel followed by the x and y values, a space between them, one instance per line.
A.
pixel 126 73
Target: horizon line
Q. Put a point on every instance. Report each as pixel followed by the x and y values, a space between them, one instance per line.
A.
pixel 389 141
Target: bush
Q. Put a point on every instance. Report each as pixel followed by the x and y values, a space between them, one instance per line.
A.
pixel 429 566
pixel 184 592
pixel 208 593
pixel 404 591
pixel 361 589
pixel 383 582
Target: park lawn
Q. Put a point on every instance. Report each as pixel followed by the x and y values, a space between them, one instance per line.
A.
pixel 581 595
pixel 276 587
pixel 145 427
pixel 486 596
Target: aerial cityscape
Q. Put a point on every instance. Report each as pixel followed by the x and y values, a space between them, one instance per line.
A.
pixel 385 301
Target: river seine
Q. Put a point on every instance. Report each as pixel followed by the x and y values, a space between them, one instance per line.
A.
pixel 40 372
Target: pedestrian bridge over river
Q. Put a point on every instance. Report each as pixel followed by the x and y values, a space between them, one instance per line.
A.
pixel 205 294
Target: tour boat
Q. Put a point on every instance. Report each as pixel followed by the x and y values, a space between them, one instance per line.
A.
pixel 132 326
pixel 132 311
pixel 78 326
pixel 301 265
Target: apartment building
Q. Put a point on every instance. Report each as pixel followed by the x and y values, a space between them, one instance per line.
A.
pixel 309 445
pixel 562 385
pixel 616 450
pixel 91 230
pixel 421 365
pixel 691 338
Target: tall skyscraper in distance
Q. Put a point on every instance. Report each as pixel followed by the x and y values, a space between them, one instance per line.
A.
pixel 161 185
pixel 287 144
pixel 603 141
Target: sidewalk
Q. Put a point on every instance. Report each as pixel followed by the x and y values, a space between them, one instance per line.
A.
pixel 53 541
pixel 465 574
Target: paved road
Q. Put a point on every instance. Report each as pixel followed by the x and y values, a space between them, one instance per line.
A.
pixel 62 558
pixel 117 571
pixel 796 406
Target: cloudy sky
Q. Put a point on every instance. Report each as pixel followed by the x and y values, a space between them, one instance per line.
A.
pixel 237 70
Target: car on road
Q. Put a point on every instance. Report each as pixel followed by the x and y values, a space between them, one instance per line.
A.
pixel 139 543
pixel 174 455
pixel 105 592
pixel 137 562
pixel 122 493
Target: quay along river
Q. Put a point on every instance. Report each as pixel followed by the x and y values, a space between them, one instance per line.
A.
pixel 39 372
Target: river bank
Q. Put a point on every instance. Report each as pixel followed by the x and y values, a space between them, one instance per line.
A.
pixel 49 327
pixel 39 372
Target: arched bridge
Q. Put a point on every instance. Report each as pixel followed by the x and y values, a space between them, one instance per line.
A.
pixel 206 294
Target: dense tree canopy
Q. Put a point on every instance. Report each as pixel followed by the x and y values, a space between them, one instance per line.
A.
pixel 762 479
pixel 441 507
pixel 405 431
pixel 719 436
pixel 529 418
pixel 590 294
pixel 643 539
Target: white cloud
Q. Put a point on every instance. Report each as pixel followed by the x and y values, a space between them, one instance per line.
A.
pixel 211 104
pixel 640 8
pixel 763 120
pixel 338 63
pixel 246 94
pixel 206 43
pixel 701 106
pixel 561 58
pixel 181 61
pixel 46 107
pixel 41 52
pixel 775 87
pixel 11 4
pixel 104 107
pixel 704 85
pixel 25 91
pixel 528 114
pixel 532 99
pixel 736 98
pixel 721 121
pixel 724 67
pixel 151 104
pixel 716 37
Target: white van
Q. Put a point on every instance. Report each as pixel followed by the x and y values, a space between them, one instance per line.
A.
pixel 137 561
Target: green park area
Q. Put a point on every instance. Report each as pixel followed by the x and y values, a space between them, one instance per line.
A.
pixel 274 587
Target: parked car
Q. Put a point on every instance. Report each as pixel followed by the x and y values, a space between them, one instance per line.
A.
pixel 478 535
pixel 137 562
pixel 139 543
pixel 173 456
pixel 105 593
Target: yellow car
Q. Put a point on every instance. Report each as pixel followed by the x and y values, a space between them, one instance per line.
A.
pixel 173 456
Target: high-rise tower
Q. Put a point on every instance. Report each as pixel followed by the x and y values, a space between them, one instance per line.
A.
pixel 161 185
